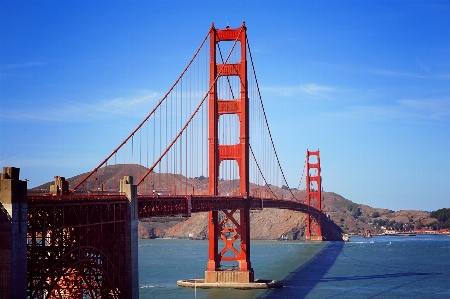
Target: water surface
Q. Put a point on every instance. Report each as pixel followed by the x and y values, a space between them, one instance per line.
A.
pixel 379 267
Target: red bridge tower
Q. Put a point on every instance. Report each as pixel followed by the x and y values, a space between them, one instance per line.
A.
pixel 229 229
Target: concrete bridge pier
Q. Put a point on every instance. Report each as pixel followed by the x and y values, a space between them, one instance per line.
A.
pixel 131 251
pixel 13 234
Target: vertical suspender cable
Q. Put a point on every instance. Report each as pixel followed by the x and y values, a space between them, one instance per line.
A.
pixel 267 125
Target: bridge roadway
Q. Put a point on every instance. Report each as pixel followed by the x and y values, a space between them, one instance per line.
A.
pixel 177 205
pixel 151 205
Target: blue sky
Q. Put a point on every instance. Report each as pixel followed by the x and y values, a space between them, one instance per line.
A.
pixel 366 82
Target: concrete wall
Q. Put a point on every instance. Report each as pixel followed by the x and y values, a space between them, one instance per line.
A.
pixel 13 234
pixel 132 279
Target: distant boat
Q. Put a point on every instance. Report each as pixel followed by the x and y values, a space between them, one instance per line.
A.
pixel 367 235
pixel 401 234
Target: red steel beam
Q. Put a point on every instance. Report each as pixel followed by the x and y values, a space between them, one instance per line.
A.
pixel 76 244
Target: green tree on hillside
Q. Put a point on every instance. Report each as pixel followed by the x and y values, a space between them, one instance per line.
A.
pixel 353 207
pixel 398 226
pixel 379 222
pixel 443 219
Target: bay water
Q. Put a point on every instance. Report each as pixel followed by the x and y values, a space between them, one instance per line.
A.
pixel 378 267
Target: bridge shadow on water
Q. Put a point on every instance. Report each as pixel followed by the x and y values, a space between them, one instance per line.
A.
pixel 303 280
pixel 300 283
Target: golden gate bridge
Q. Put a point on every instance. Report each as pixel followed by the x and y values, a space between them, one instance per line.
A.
pixel 205 147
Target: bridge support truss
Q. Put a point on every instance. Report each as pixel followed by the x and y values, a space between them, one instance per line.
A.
pixel 235 225
pixel 83 246
pixel 313 195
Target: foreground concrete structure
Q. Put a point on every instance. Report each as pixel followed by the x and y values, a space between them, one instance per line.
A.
pixel 13 234
pixel 131 242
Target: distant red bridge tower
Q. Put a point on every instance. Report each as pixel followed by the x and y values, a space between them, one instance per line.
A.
pixel 313 194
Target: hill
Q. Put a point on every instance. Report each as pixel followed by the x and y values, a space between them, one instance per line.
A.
pixel 356 218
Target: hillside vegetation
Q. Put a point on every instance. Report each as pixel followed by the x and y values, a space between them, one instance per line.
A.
pixel 442 219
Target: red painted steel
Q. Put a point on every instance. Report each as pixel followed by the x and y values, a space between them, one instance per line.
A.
pixel 313 193
pixel 151 206
pixel 237 152
pixel 75 247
